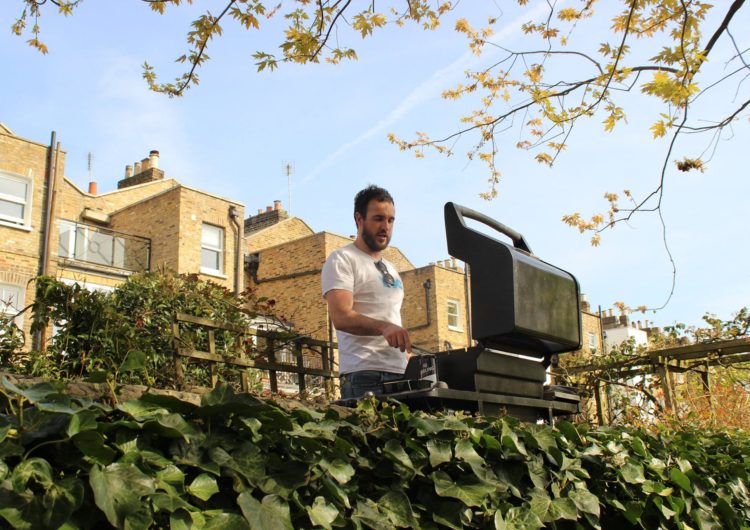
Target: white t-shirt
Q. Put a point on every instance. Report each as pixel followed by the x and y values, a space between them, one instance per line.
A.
pixel 350 269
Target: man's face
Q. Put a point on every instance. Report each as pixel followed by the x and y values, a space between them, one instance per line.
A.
pixel 376 228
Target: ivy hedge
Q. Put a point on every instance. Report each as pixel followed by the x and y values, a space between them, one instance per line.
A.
pixel 237 461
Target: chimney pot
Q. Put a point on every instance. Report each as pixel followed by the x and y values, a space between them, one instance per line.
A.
pixel 137 168
pixel 260 211
pixel 269 208
pixel 153 158
pixel 145 164
pixel 277 205
pixel 128 171
pixel 92 188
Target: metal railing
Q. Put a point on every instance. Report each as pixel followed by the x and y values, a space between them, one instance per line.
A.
pixel 101 246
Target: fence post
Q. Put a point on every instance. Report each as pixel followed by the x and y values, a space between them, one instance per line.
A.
pixel 599 407
pixel 244 381
pixel 178 368
pixel 327 381
pixel 271 355
pixel 212 351
pixel 300 365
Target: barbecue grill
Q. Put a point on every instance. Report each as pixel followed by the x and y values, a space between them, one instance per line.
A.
pixel 524 311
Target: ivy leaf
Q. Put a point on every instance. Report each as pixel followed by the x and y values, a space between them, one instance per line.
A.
pixel 394 452
pixel 681 479
pixel 203 487
pixel 338 469
pixel 82 420
pixel 632 473
pixel 585 501
pixel 440 451
pixel 367 512
pixel 397 507
pixel 322 513
pixel 469 490
pixel 272 513
pixel 118 489
pixel 93 445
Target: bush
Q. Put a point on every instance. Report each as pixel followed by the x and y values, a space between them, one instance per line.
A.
pixel 126 335
pixel 238 461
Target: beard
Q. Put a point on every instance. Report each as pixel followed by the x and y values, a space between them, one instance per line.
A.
pixel 372 243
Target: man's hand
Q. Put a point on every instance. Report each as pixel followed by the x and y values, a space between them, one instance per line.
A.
pixel 397 337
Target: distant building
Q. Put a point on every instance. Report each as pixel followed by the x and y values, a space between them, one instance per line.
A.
pixel 619 329
pixel 48 225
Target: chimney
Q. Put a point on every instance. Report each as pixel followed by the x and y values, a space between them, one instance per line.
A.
pixel 147 170
pixel 269 216
pixel 585 306
pixel 453 264
pixel 92 188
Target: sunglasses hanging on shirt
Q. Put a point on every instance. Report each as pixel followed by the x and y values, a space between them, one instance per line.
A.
pixel 387 277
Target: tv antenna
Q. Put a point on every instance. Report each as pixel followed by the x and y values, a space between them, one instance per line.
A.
pixel 90 165
pixel 288 169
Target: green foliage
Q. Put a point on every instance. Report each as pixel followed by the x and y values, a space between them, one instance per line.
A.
pixel 126 335
pixel 11 341
pixel 240 462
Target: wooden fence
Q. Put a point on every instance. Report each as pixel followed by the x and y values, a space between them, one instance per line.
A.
pixel 692 358
pixel 263 358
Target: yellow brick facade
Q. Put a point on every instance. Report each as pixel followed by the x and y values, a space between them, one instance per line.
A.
pixel 21 247
pixel 169 214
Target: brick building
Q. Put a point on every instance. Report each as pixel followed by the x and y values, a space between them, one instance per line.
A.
pixel 48 225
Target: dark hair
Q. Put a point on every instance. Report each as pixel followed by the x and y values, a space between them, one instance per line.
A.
pixel 370 193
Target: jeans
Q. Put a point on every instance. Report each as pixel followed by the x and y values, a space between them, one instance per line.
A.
pixel 355 384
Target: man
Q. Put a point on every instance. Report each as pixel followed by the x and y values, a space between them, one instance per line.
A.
pixel 364 294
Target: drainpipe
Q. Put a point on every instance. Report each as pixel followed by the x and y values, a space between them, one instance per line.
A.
pixel 233 215
pixel 46 230
pixel 427 285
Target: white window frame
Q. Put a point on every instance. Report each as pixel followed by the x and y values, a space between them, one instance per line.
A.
pixel 593 343
pixel 452 303
pixel 219 250
pixel 17 222
pixel 18 304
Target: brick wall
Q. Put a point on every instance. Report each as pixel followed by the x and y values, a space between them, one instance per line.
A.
pixel 157 218
pixel 197 208
pixel 282 232
pixel 21 247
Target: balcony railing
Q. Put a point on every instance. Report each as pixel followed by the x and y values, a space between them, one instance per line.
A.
pixel 100 246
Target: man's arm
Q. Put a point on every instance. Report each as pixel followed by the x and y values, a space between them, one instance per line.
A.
pixel 345 318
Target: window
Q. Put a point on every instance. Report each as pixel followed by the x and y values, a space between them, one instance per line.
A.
pixel 454 315
pixel 11 301
pixel 212 249
pixel 592 340
pixel 15 200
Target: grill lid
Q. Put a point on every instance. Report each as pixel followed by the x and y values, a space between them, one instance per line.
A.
pixel 519 303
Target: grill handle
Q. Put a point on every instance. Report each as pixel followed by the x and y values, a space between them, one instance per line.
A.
pixel 462 211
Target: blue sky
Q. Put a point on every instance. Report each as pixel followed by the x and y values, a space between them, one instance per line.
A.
pixel 233 134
